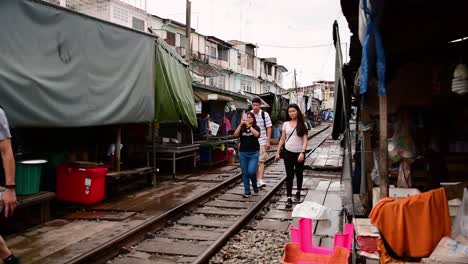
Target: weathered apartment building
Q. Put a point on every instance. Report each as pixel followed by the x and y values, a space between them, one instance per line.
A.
pixel 322 90
pixel 229 65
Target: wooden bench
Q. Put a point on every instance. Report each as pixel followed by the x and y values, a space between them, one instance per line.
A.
pixel 125 173
pixel 43 199
pixel 144 171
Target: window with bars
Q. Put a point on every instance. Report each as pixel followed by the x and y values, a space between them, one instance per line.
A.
pixel 221 82
pixel 120 14
pixel 246 85
pixel 138 24
pixel 213 52
pixel 212 81
pixel 183 40
pixel 170 38
pixel 250 62
pixel 223 53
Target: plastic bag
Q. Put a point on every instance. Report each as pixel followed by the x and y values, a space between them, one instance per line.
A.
pixel 312 210
pixel 404 175
pixel 401 145
pixel 375 174
pixel 460 224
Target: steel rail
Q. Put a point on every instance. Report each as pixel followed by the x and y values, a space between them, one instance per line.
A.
pixel 112 248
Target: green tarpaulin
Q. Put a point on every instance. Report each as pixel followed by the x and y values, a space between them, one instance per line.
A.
pixel 174 94
pixel 63 69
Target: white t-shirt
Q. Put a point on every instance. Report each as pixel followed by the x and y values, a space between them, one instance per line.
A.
pixel 294 143
pixel 263 133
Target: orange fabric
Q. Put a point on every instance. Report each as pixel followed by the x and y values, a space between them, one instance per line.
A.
pixel 413 226
pixel 384 257
pixel 293 254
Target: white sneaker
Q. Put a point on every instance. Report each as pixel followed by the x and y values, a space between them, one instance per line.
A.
pixel 261 184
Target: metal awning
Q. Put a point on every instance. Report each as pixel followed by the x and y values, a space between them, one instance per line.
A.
pixel 204 69
pixel 203 96
pixel 263 104
pixel 240 104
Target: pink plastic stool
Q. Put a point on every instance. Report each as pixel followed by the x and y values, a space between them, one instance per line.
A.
pixel 303 236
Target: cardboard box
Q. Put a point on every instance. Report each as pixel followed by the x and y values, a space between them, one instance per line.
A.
pixel 448 251
pixel 454 190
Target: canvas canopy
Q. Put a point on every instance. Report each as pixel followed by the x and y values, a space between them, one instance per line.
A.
pixel 174 94
pixel 61 69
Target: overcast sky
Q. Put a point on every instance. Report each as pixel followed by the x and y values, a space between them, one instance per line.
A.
pixel 279 27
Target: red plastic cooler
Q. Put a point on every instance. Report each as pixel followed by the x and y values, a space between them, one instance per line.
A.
pixel 80 185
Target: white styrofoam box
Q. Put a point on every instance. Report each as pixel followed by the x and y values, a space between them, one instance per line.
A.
pixel 393 193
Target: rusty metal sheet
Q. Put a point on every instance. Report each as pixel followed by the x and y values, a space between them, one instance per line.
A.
pixel 200 220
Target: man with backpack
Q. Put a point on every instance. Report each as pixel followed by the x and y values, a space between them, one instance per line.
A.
pixel 8 199
pixel 264 123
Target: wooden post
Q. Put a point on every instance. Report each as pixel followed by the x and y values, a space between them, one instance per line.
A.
pixel 208 128
pixel 367 159
pixel 117 148
pixel 155 168
pixel 383 142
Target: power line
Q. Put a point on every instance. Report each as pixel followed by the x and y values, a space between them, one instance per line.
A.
pixel 298 47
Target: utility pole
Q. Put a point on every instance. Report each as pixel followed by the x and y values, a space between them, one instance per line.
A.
pixel 295 81
pixel 188 30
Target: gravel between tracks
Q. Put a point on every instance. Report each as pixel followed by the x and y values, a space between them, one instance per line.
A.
pixel 253 246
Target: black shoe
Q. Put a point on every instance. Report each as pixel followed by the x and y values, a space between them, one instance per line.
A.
pixel 247 195
pixel 289 203
pixel 297 197
pixel 11 260
pixel 255 190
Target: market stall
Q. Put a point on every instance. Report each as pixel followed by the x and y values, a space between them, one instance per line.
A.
pixel 218 114
pixel 410 84
pixel 98 116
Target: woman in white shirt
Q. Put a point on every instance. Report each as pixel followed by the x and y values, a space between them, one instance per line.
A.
pixel 294 137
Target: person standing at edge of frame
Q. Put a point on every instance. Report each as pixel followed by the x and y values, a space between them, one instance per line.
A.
pixel 264 123
pixel 248 131
pixel 294 137
pixel 8 199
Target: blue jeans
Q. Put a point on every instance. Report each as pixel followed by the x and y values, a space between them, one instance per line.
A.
pixel 248 162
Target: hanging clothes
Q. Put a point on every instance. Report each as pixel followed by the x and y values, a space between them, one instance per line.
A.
pixel 226 125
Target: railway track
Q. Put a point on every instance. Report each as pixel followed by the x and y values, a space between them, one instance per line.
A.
pixel 194 231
